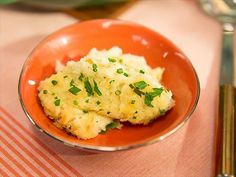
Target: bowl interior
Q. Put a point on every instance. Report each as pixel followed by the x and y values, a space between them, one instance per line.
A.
pixel 73 42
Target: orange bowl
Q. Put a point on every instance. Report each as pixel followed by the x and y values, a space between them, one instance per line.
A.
pixel 75 41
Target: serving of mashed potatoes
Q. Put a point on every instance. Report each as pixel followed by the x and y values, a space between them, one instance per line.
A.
pixel 102 90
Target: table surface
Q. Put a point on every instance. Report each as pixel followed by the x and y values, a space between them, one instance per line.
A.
pixel 188 153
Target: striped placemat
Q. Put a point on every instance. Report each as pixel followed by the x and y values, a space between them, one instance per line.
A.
pixel 23 154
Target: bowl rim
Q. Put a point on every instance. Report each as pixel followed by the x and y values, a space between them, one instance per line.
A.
pixel 107 148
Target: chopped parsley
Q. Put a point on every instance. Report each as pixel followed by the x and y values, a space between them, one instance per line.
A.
pixel 117 92
pixel 112 81
pixel 112 60
pixel 75 102
pixel 96 89
pixel 86 101
pixel 54 82
pixel 81 77
pixel 125 74
pixel 133 101
pixel 95 67
pixel 140 85
pixel 137 91
pixel 84 111
pixel 88 87
pixel 162 111
pixel 74 90
pixel 98 102
pixel 110 126
pixel 57 102
pixel 65 76
pixel 45 91
pixel 120 60
pixel 149 96
pixel 141 71
pixel 72 82
pixel 119 71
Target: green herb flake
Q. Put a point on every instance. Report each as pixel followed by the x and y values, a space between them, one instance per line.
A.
pixel 45 91
pixel 112 60
pixel 95 67
pixel 142 71
pixel 137 91
pixel 112 81
pixel 57 102
pixel 98 102
pixel 65 76
pixel 72 82
pixel 54 82
pixel 96 89
pixel 119 71
pixel 151 95
pixel 125 74
pixel 132 101
pixel 81 76
pixel 75 102
pixel 117 92
pixel 86 101
pixel 162 111
pixel 148 99
pixel 74 90
pixel 88 87
pixel 140 85
pixel 85 111
pixel 120 60
pixel 110 126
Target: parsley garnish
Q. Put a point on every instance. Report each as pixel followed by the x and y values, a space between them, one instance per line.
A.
pixel 149 96
pixel 72 82
pixel 54 82
pixel 84 111
pixel 133 101
pixel 96 89
pixel 81 77
pixel 137 91
pixel 110 126
pixel 74 90
pixel 95 67
pixel 141 71
pixel 45 91
pixel 57 102
pixel 86 101
pixel 65 76
pixel 88 87
pixel 125 74
pixel 140 85
pixel 112 81
pixel 119 71
pixel 98 102
pixel 112 60
pixel 162 111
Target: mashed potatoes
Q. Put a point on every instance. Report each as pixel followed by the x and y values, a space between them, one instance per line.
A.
pixel 103 89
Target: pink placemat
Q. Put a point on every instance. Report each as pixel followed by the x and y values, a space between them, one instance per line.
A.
pixel 24 151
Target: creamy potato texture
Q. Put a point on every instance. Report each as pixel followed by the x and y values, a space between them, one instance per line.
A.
pixel 102 90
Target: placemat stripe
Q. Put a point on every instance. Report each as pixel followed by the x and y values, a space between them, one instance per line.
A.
pixel 5 163
pixel 41 159
pixel 24 150
pixel 14 161
pixel 2 172
pixel 52 154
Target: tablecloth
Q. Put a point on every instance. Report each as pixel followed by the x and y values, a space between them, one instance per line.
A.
pixel 188 153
